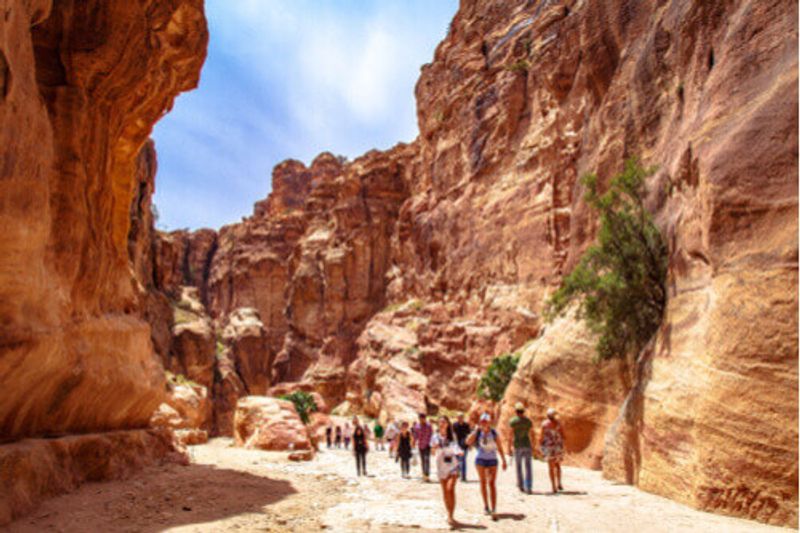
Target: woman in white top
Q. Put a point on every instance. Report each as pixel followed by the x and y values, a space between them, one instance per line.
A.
pixel 447 451
pixel 391 437
pixel 485 440
pixel 348 434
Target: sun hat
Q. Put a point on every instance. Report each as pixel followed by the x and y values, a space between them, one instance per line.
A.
pixel 519 407
pixel 485 417
pixel 551 412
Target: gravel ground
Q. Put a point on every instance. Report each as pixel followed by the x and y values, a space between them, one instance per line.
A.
pixel 230 489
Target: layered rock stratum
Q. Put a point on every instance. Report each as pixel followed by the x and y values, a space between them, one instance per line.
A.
pixel 387 284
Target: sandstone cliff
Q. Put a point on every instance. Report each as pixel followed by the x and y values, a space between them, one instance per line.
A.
pixel 81 85
pixel 76 355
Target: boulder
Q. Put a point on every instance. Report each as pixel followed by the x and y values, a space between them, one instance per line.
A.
pixel 560 370
pixel 32 470
pixel 269 424
pixel 192 402
pixel 190 437
pixel 303 455
pixel 166 417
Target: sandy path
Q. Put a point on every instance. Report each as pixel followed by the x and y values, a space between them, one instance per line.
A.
pixel 229 489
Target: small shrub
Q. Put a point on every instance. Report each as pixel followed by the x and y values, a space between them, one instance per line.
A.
pixel 392 308
pixel 413 305
pixel 492 385
pixel 412 350
pixel 182 316
pixel 620 282
pixel 180 379
pixel 303 402
pixel 528 43
pixel 520 65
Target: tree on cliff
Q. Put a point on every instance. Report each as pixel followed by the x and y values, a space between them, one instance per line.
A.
pixel 492 385
pixel 620 282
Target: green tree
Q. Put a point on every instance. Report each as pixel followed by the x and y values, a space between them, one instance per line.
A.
pixel 303 402
pixel 620 281
pixel 492 385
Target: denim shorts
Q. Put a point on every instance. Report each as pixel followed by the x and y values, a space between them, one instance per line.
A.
pixel 485 462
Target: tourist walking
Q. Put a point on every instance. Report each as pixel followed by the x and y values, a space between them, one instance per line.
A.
pixel 405 443
pixel 348 434
pixel 552 446
pixel 447 451
pixel 484 438
pixel 422 435
pixel 360 449
pixel 391 437
pixel 522 427
pixel 329 435
pixel 338 438
pixel 377 430
pixel 461 429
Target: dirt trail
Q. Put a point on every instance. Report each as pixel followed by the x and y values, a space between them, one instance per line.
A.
pixel 230 489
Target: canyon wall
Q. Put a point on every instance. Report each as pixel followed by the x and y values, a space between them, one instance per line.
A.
pixel 81 85
pixel 391 282
pixel 76 355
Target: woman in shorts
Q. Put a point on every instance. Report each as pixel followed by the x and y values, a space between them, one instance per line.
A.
pixel 484 438
pixel 552 445
pixel 446 448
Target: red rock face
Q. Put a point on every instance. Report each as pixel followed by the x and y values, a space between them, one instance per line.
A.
pixel 290 288
pixel 521 100
pixel 76 107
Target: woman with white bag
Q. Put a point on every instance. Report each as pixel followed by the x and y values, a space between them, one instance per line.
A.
pixel 447 450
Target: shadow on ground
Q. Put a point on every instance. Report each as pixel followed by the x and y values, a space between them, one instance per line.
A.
pixel 152 502
pixel 509 516
pixel 460 526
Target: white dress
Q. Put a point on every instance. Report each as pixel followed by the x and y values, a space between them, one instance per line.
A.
pixel 446 456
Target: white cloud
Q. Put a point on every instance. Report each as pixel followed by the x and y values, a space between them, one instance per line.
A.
pixel 292 78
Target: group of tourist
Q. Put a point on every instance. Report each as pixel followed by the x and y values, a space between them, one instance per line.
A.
pixel 450 444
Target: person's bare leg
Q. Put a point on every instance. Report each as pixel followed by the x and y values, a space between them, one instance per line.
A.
pixel 452 488
pixel 448 500
pixel 558 475
pixel 492 475
pixel 551 468
pixel 482 476
pixel 445 496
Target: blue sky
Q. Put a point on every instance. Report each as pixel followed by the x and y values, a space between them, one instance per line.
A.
pixel 290 79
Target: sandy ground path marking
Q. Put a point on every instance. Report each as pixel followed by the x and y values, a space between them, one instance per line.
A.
pixel 229 489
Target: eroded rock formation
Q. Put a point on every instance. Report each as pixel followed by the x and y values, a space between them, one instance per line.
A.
pixel 77 357
pixel 81 85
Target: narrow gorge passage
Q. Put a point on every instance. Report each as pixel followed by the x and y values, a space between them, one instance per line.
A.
pixel 231 489
pixel 155 378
